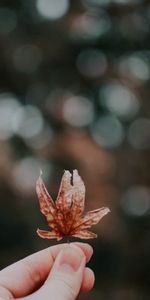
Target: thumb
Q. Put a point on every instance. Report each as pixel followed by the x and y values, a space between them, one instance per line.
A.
pixel 66 276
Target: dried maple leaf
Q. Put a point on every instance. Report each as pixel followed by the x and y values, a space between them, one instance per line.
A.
pixel 65 215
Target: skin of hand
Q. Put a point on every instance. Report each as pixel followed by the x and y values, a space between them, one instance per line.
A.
pixel 58 272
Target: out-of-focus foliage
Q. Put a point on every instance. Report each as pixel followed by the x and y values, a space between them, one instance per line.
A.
pixel 74 93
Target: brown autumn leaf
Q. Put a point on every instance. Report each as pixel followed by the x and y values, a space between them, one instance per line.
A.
pixel 65 215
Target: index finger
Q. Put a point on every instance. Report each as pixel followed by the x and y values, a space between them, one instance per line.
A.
pixel 25 276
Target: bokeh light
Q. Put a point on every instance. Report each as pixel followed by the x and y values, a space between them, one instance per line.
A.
pixel 127 1
pixel 41 139
pixel 88 3
pixel 109 2
pixel 136 201
pixel 119 100
pixel 136 66
pixel 26 172
pixel 108 132
pixel 139 133
pixel 92 63
pixel 134 26
pixel 8 106
pixel 90 27
pixel 8 20
pixel 52 9
pixel 27 121
pixel 78 111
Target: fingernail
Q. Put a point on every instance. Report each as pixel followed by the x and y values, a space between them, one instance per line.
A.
pixel 71 258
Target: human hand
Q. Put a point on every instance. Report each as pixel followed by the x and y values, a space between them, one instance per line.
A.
pixel 58 273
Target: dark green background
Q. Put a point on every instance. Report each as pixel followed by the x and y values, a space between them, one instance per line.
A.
pixel 74 93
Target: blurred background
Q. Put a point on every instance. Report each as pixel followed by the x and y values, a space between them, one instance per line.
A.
pixel 74 93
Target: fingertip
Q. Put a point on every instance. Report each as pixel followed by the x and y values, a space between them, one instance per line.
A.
pixel 86 248
pixel 88 280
